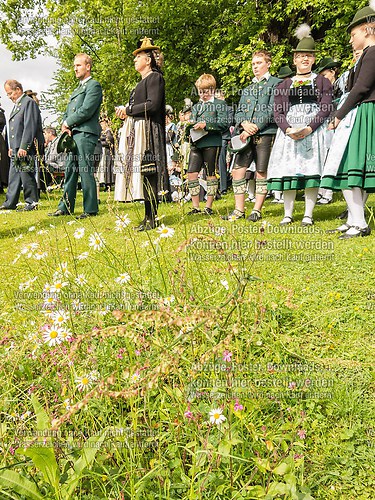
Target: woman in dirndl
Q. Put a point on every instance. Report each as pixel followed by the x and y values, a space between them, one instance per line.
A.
pixel 356 172
pixel 146 104
pixel 301 108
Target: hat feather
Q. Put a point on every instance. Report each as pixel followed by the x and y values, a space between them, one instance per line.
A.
pixel 372 4
pixel 304 30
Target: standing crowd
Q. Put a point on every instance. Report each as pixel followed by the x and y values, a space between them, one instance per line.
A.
pixel 309 130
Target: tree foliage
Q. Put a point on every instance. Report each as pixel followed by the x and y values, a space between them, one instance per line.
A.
pixel 202 36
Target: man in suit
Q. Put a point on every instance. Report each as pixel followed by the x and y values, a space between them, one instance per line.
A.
pixel 81 121
pixel 256 126
pixel 25 141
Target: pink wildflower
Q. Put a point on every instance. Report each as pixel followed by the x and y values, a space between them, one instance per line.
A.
pixel 227 356
pixel 237 406
pixel 301 434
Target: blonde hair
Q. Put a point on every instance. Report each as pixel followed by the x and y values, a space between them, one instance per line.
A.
pixel 86 57
pixel 206 81
pixel 265 54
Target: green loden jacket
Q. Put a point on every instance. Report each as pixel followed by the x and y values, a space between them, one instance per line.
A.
pixel 215 114
pixel 256 106
pixel 82 113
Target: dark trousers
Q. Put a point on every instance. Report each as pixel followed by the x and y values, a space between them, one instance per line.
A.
pixel 16 181
pixel 81 163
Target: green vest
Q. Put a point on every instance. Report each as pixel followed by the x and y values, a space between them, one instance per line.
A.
pixel 256 106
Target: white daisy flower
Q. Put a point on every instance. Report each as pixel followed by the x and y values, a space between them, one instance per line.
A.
pixel 165 232
pixel 77 305
pixel 123 278
pixel 83 256
pixel 96 241
pixel 94 375
pixel 39 255
pixel 52 336
pixel 136 376
pixel 32 228
pixel 25 415
pixel 66 334
pixel 216 416
pixel 42 231
pixel 225 284
pixel 62 270
pixel 59 317
pixel 81 280
pixel 83 383
pixel 66 404
pixel 33 337
pixel 122 221
pixel 58 285
pixel 71 222
pixel 79 233
pixel 29 249
pixel 19 237
pixel 49 301
pixel 24 286
pixel 27 284
pixel 169 300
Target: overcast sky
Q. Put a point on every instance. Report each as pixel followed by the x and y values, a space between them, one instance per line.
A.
pixel 35 74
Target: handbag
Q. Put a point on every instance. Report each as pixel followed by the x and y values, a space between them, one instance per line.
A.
pixel 148 164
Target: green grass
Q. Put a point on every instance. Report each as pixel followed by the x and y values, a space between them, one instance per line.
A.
pixel 294 308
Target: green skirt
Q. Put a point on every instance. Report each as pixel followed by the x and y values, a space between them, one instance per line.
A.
pixel 295 182
pixel 357 167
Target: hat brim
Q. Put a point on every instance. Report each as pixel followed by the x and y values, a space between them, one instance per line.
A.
pixel 304 50
pixel 286 75
pixel 334 64
pixel 145 49
pixel 242 148
pixel 66 144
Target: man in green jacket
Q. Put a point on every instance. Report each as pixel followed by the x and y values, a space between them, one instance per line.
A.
pixel 81 122
pixel 256 128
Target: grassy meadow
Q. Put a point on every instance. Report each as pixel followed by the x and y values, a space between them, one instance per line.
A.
pixel 206 359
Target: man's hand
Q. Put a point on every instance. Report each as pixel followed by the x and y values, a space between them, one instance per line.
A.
pixel 66 129
pixel 199 126
pixel 22 153
pixel 244 136
pixel 10 152
pixel 250 128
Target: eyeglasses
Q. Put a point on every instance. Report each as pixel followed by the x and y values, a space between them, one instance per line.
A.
pixel 302 56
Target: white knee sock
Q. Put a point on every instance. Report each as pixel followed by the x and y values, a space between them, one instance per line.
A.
pixel 311 195
pixel 365 196
pixel 354 200
pixel 289 198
